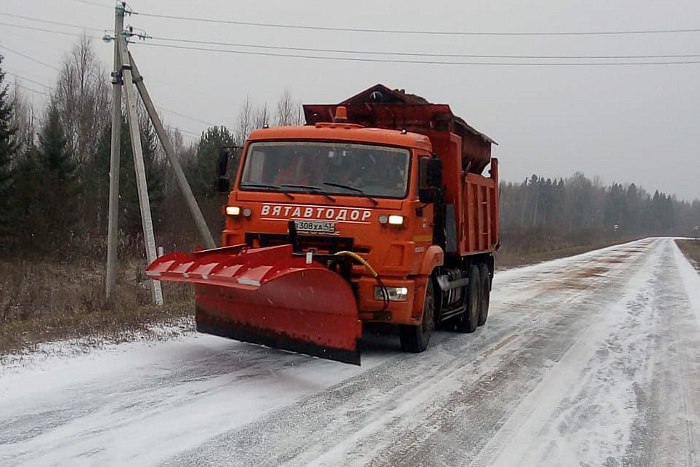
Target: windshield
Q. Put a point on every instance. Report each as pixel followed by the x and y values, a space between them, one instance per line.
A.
pixel 327 167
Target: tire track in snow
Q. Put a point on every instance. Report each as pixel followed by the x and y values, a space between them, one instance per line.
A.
pixel 417 401
pixel 166 402
pixel 673 434
pixel 619 396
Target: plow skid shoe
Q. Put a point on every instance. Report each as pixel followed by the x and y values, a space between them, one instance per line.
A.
pixel 269 296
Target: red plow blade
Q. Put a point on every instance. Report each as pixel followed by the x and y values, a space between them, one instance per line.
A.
pixel 269 296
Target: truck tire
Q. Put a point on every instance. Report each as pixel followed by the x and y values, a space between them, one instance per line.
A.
pixel 485 294
pixel 416 338
pixel 468 321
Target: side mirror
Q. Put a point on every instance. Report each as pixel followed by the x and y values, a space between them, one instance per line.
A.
pixel 429 195
pixel 430 180
pixel 223 183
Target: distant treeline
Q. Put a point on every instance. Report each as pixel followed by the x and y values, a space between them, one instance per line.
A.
pixel 578 204
pixel 54 178
pixel 541 214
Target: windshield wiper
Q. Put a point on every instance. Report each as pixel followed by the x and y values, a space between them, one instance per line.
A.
pixel 315 189
pixel 352 188
pixel 268 187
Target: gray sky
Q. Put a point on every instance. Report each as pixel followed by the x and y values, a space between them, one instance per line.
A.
pixel 620 123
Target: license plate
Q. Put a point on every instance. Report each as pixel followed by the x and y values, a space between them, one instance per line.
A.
pixel 314 226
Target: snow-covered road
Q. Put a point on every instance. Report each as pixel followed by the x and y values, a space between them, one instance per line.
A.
pixel 591 360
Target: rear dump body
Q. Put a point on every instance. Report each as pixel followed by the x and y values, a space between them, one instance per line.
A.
pixel 326 229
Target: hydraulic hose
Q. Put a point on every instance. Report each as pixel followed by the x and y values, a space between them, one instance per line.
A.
pixel 365 263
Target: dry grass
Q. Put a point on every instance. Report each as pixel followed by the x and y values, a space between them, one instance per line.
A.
pixel 43 302
pixel 691 248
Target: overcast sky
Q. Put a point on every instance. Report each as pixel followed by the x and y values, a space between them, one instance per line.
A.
pixel 633 123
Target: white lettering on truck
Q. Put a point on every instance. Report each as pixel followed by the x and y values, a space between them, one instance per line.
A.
pixel 274 211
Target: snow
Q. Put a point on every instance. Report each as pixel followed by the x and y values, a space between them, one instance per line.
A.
pixel 578 392
pixel 691 281
pixel 173 395
pixel 589 360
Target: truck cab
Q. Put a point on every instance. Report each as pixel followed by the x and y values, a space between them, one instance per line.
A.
pixel 345 188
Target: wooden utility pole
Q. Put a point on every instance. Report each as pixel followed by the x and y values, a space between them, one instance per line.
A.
pixel 139 167
pixel 127 74
pixel 123 77
pixel 113 216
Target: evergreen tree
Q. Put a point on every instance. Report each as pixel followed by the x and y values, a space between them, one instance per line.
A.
pixel 59 181
pixel 28 210
pixel 55 158
pixel 616 211
pixel 8 148
pixel 202 175
pixel 155 169
pixel 129 209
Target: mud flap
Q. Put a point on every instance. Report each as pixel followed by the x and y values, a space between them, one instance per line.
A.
pixel 269 296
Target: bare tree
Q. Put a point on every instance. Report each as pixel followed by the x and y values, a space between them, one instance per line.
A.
pixel 261 117
pixel 83 102
pixel 82 99
pixel 184 153
pixel 244 124
pixel 23 119
pixel 287 110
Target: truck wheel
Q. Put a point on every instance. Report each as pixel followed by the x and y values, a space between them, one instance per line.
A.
pixel 485 294
pixel 415 338
pixel 468 321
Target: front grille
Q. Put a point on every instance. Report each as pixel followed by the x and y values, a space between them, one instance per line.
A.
pixel 317 242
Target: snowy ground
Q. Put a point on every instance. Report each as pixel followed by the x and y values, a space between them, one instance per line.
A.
pixel 592 360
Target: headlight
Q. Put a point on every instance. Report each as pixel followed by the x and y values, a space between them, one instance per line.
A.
pixel 396 294
pixel 233 210
pixel 395 219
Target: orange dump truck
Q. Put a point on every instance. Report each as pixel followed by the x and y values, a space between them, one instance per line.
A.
pixel 375 211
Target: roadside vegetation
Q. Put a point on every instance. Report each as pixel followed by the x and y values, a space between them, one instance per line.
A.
pixel 691 249
pixel 45 301
pixel 54 182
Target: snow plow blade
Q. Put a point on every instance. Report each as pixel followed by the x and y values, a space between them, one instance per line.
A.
pixel 269 296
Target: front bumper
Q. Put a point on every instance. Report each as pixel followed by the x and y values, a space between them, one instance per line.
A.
pixel 395 312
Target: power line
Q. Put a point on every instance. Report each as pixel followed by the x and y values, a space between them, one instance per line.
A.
pixel 420 62
pixel 28 57
pixel 86 2
pixel 46 21
pixel 187 116
pixel 29 79
pixel 51 31
pixel 363 52
pixel 420 32
pixel 192 134
pixel 422 54
pixel 31 38
pixel 43 93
